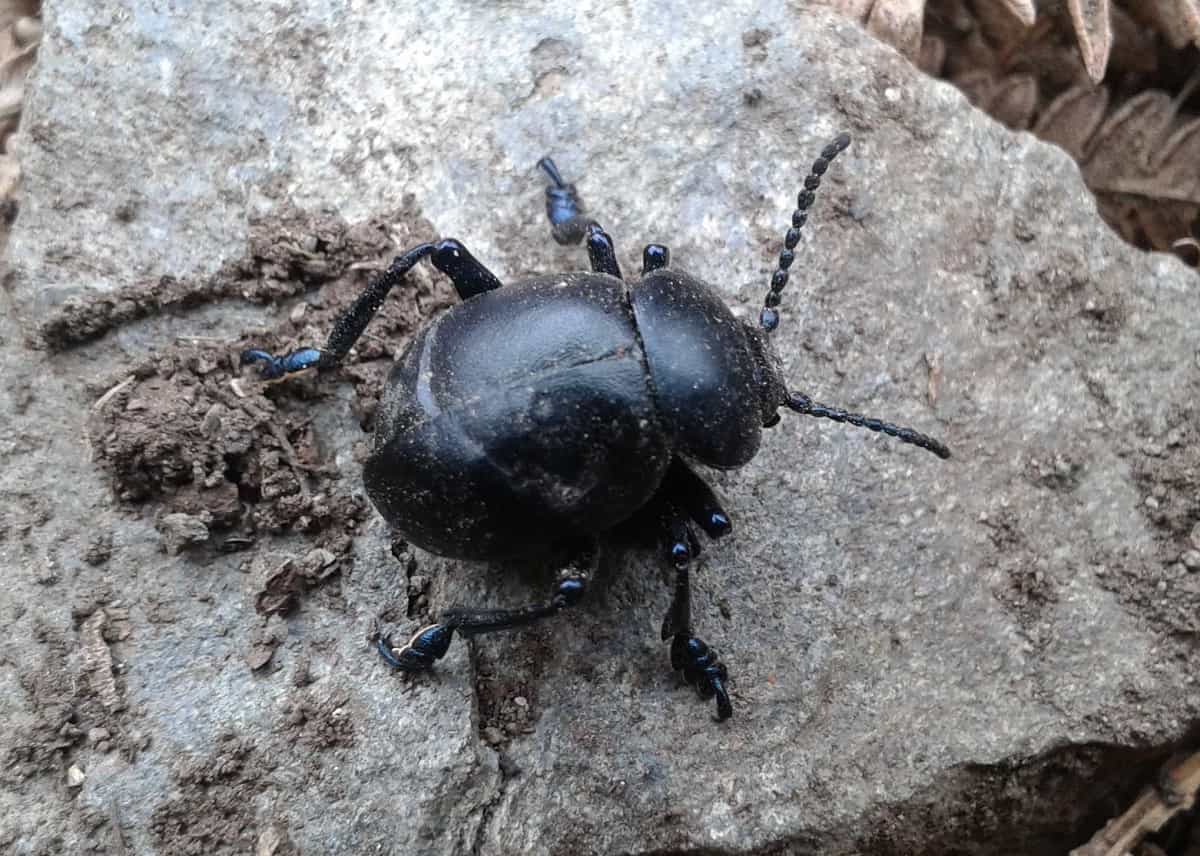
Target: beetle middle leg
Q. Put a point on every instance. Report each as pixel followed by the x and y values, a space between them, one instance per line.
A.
pixel 430 643
pixel 449 256
pixel 684 495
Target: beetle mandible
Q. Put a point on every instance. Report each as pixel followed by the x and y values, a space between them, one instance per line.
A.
pixel 543 413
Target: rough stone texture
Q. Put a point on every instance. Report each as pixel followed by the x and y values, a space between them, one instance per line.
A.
pixel 974 656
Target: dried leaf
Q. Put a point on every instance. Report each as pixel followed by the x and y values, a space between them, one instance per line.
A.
pixel 856 9
pixel 933 56
pixel 1071 119
pixel 10 178
pixel 1093 32
pixel 1014 100
pixel 1162 221
pixel 1004 24
pixel 14 68
pixel 1134 48
pixel 12 10
pixel 1127 140
pixel 1023 12
pixel 978 86
pixel 900 24
pixel 1177 20
pixel 1174 793
pixel 1187 249
pixel 1178 162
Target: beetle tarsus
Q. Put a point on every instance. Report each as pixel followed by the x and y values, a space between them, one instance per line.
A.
pixel 684 494
pixel 564 208
pixel 273 367
pixel 427 645
pixel 703 669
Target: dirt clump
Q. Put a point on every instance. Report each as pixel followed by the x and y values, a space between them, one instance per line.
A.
pixel 225 456
pixel 214 812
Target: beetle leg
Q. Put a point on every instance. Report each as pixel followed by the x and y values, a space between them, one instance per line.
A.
pixel 655 257
pixel 702 669
pixel 681 547
pixel 568 591
pixel 690 492
pixel 431 643
pixel 348 327
pixel 568 224
pixel 601 252
pixel 564 208
pixel 690 655
pixel 427 644
pixel 465 271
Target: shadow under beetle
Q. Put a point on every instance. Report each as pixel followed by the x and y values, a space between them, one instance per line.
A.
pixel 542 413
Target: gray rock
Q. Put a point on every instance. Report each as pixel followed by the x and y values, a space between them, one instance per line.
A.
pixel 924 654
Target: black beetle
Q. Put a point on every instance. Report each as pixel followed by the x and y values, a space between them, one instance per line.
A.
pixel 543 413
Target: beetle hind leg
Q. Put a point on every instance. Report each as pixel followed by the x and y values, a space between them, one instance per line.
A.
pixel 431 643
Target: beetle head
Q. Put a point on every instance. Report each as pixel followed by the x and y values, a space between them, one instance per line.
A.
pixel 768 375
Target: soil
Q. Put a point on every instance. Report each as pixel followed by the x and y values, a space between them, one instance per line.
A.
pixel 219 460
pixel 219 456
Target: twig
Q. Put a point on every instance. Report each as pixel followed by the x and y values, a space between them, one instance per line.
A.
pixel 1175 791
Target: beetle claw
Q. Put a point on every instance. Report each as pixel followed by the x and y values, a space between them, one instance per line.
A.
pixel 703 670
pixel 428 644
pixel 273 367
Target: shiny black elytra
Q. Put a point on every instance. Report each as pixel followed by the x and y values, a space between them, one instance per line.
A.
pixel 541 414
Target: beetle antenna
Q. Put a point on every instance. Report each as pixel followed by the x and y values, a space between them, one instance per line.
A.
pixel 801 403
pixel 769 319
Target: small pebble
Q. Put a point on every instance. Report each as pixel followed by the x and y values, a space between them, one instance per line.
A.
pixel 493 735
pixel 75 776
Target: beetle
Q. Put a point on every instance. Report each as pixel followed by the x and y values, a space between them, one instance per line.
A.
pixel 541 414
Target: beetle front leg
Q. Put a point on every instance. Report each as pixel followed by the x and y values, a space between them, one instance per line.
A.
pixel 655 257
pixel 564 208
pixel 348 327
pixel 431 643
pixel 467 273
pixel 568 224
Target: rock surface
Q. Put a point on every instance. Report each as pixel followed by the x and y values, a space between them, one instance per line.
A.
pixel 981 654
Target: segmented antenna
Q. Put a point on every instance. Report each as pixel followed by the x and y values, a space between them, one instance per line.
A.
pixel 801 403
pixel 769 318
